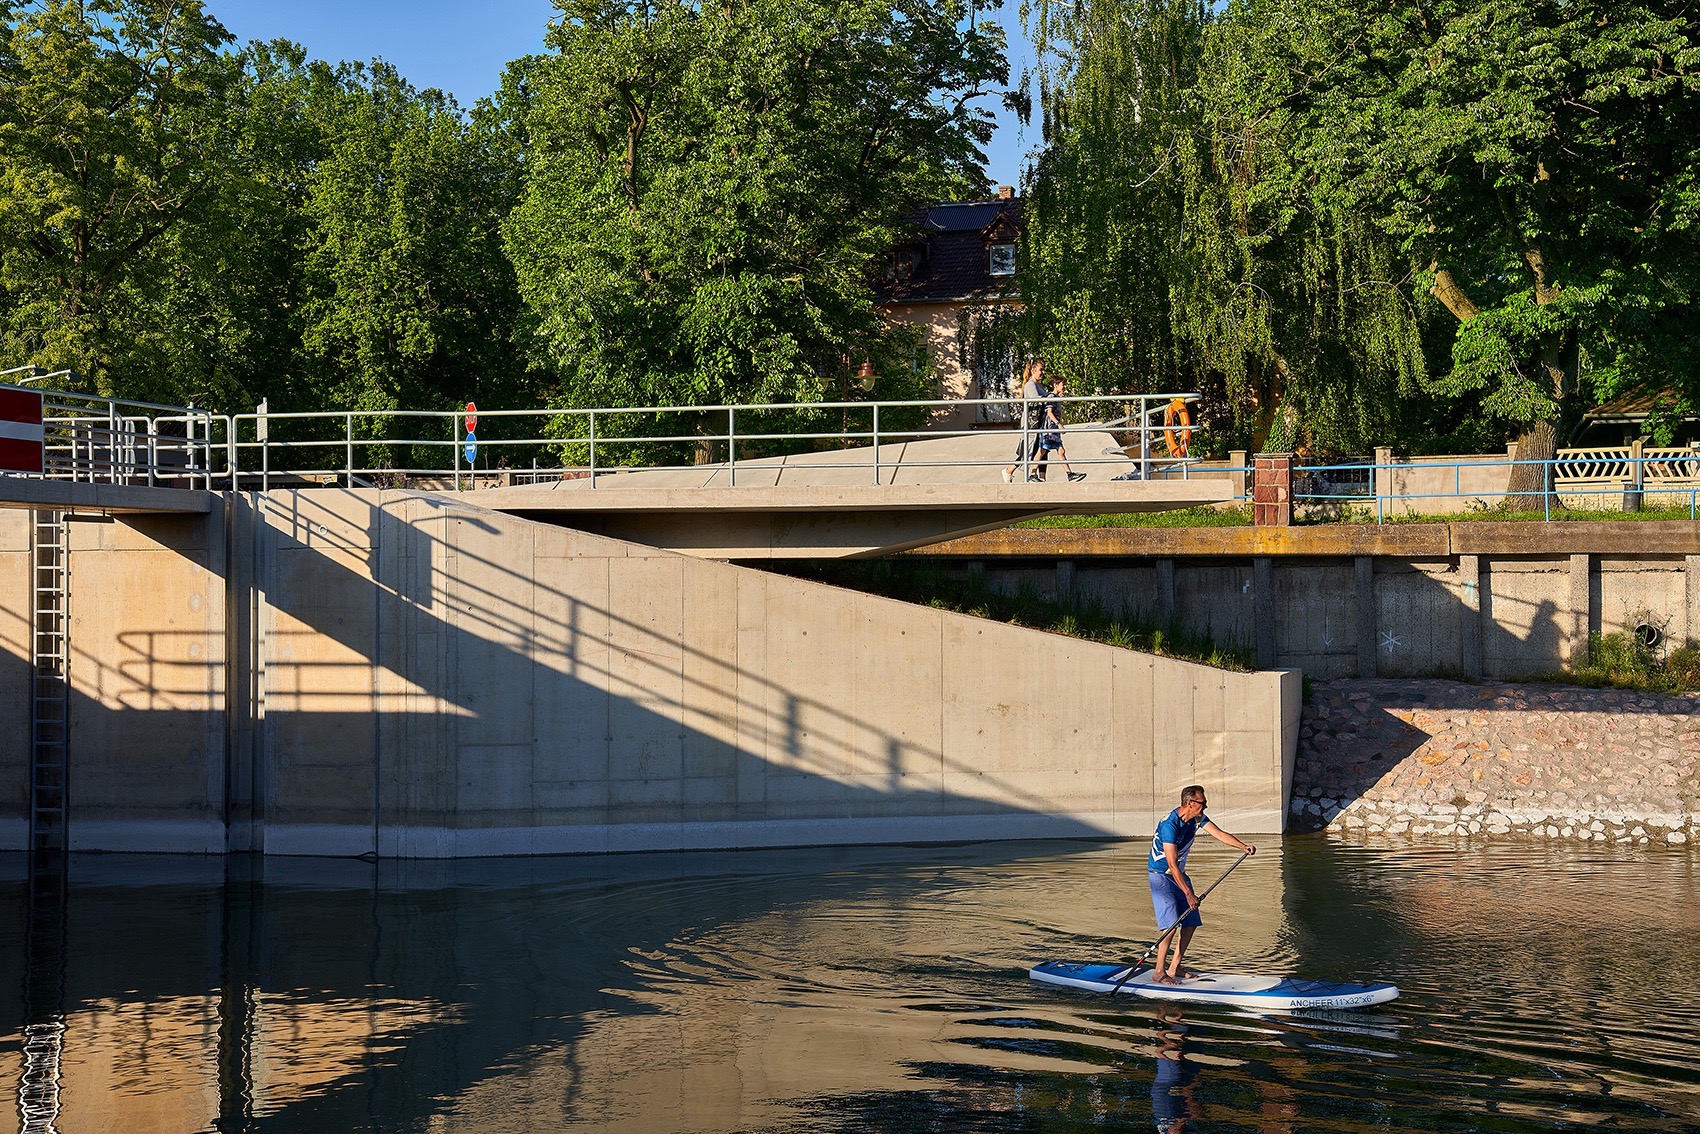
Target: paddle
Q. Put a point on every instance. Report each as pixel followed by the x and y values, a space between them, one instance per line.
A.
pixel 1164 936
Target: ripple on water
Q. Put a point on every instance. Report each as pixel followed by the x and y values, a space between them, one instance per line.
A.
pixel 1544 987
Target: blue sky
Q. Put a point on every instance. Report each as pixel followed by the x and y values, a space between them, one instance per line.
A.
pixel 462 47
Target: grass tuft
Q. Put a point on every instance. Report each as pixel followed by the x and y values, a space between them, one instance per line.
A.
pixel 1620 661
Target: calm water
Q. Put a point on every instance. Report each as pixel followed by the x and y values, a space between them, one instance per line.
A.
pixel 1544 988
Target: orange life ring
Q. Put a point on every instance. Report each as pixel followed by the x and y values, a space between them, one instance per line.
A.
pixel 1175 416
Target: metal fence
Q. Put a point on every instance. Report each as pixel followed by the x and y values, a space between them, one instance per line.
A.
pixel 1627 478
pixel 116 440
pixel 368 446
pixel 90 438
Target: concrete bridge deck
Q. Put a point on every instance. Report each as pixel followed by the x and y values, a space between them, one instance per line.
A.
pixel 108 499
pixel 832 505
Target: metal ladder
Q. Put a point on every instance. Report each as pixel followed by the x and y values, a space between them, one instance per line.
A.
pixel 50 720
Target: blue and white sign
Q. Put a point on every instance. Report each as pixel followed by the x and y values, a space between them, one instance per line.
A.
pixel 471 448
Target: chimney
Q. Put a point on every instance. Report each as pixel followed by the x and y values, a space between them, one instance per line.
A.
pixel 1005 192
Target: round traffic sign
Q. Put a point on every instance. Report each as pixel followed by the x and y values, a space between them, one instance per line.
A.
pixel 471 447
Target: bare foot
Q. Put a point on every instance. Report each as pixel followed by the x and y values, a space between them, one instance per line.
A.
pixel 1165 978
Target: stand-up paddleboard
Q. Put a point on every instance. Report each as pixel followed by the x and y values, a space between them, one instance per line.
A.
pixel 1236 989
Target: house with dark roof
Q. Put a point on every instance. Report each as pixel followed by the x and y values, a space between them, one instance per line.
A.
pixel 956 277
pixel 1624 418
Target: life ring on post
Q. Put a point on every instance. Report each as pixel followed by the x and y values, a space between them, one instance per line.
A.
pixel 1176 417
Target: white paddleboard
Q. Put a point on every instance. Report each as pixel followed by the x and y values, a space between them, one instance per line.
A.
pixel 1237 989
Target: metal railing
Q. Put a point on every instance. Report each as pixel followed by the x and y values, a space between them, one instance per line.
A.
pixel 86 437
pixel 1582 479
pixel 364 446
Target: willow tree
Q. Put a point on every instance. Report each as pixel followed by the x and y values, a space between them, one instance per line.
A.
pixel 1179 235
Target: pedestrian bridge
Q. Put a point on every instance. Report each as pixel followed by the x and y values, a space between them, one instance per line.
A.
pixel 828 505
pixel 859 490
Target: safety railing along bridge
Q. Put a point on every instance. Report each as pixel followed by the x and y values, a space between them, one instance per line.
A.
pixel 1118 436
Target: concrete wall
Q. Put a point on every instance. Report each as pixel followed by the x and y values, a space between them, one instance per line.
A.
pixel 415 677
pixel 1496 616
pixel 1440 486
pixel 14 676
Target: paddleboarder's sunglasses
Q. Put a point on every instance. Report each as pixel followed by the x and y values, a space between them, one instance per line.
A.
pixel 1198 799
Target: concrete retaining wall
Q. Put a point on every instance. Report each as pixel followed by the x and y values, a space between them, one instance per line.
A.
pixel 413 677
pixel 1493 616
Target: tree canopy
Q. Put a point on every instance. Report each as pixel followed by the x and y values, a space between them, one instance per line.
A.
pixel 1431 224
pixel 1338 207
pixel 711 188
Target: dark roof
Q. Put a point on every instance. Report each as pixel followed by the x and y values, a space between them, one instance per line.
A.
pixel 1634 406
pixel 965 216
pixel 947 259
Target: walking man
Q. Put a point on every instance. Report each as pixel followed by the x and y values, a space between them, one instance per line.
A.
pixel 1172 895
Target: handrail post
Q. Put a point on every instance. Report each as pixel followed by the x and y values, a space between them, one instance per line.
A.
pixel 231 454
pixel 593 448
pixel 454 436
pixel 731 446
pixel 348 470
pixel 876 444
pixel 1375 483
pixel 1144 438
pixel 153 449
pixel 263 435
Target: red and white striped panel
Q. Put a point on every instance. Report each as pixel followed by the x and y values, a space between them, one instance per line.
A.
pixel 20 431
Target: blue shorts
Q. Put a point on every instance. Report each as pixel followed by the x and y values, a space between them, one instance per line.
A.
pixel 1169 902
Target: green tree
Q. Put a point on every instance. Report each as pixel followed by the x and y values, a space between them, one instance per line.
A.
pixel 1539 160
pixel 711 189
pixel 409 301
pixel 1177 236
pixel 113 117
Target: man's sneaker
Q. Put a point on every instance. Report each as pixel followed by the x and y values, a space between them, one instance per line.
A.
pixel 1006 476
pixel 1077 476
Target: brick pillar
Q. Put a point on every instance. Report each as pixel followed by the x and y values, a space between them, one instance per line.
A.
pixel 1272 490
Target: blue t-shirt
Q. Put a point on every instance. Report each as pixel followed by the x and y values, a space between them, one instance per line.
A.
pixel 1177 831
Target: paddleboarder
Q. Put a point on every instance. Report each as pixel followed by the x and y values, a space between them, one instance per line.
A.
pixel 1172 896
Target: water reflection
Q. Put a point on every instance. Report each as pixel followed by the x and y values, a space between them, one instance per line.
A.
pixel 1174 1102
pixel 857 989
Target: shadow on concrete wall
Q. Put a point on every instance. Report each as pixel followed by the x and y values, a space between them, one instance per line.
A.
pixel 1419 620
pixel 469 692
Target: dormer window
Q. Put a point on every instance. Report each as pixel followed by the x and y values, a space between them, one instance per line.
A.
pixel 1000 259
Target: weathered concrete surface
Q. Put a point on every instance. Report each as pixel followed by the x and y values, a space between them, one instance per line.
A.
pixel 409 675
pixel 15 682
pixel 1413 541
pixel 1367 602
pixel 1439 757
pixel 814 521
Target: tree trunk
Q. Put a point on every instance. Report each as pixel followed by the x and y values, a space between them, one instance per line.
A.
pixel 1527 490
pixel 1531 486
